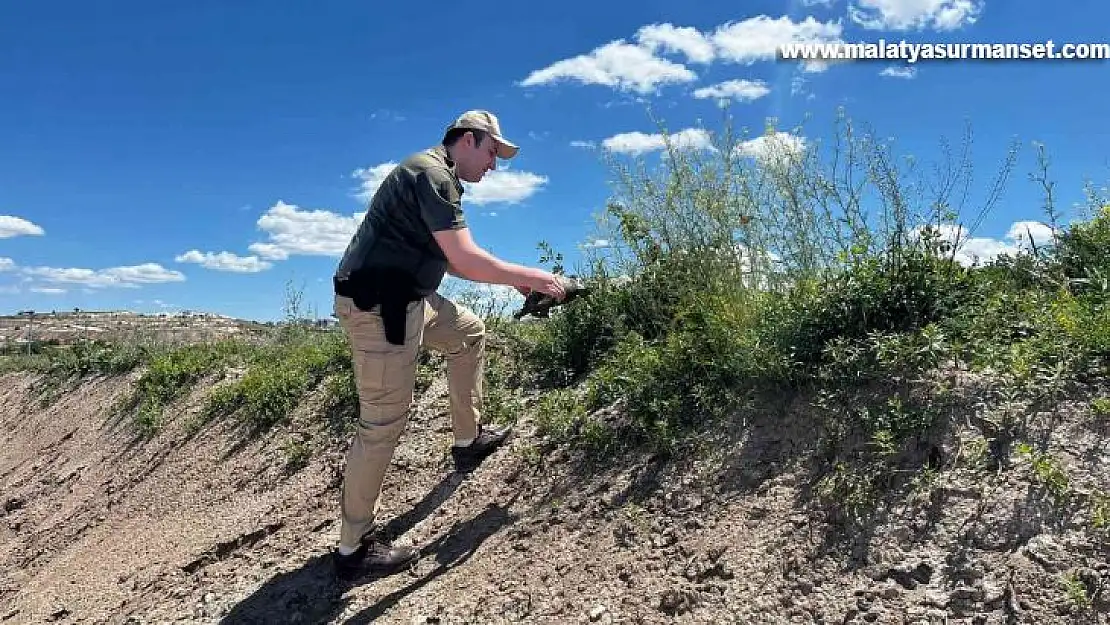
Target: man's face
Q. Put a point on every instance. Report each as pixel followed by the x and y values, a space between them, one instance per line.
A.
pixel 473 161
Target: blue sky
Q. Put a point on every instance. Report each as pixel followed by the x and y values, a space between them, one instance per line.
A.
pixel 139 139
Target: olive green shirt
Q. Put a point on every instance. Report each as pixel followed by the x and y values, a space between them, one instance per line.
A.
pixel 420 196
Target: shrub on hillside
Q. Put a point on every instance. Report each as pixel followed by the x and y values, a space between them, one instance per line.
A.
pixel 914 288
pixel 748 275
pixel 95 357
pixel 1084 253
pixel 279 375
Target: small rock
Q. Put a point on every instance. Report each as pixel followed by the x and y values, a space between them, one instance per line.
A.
pixel 965 595
pixel 674 601
pixel 1046 551
pixel 662 540
pixel 909 577
pixel 597 613
pixel 936 598
pixel 670 601
pixel 993 594
pixel 209 597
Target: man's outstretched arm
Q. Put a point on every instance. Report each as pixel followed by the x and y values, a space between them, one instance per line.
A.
pixel 469 261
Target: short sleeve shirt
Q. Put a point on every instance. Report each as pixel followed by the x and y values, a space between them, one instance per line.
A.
pixel 420 196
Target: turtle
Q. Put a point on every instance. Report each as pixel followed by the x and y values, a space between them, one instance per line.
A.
pixel 539 304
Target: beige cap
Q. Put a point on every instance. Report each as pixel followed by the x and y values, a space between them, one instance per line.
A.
pixel 487 122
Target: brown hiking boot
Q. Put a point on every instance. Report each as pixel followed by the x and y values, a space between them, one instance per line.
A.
pixel 373 558
pixel 488 440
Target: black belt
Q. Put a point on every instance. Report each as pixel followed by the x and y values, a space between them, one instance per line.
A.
pixel 390 289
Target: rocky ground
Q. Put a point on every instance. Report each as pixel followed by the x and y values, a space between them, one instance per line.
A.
pixel 216 527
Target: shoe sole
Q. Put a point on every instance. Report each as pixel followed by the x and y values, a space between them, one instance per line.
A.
pixel 473 464
pixel 376 570
pixel 468 466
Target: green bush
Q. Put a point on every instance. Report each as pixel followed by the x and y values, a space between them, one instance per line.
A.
pixel 96 357
pixel 784 270
pixel 873 296
pixel 172 372
pixel 279 375
pixel 1083 253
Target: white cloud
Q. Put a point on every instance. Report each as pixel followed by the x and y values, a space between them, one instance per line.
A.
pixel 6 264
pixel 1022 232
pixel 637 143
pixel 596 243
pixel 305 232
pixel 371 178
pixel 224 261
pixel 17 226
pixel 982 250
pixel 797 86
pixel 758 38
pixel 900 72
pixel 915 14
pixel 268 251
pixel 772 148
pixel 498 186
pixel 617 64
pixel 677 39
pixel 504 187
pixel 742 90
pixel 818 66
pixel 583 144
pixel 387 115
pixel 47 290
pixel 640 67
pixel 124 277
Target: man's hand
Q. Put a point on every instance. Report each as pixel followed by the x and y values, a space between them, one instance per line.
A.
pixel 548 284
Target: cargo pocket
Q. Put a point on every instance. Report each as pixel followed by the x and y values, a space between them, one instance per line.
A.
pixel 370 366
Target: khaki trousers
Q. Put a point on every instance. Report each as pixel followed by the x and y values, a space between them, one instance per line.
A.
pixel 385 375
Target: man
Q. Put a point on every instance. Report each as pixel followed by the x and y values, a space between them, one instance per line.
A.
pixel 415 232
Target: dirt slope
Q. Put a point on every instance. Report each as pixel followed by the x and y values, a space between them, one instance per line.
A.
pixel 212 528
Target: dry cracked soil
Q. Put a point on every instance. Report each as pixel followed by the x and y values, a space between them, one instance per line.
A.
pixel 99 525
